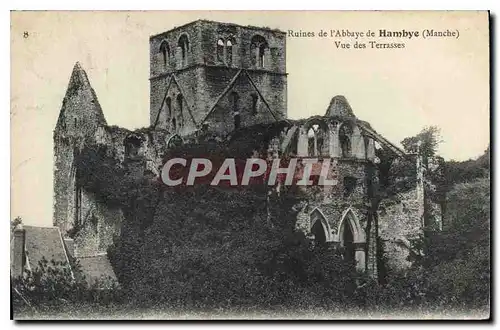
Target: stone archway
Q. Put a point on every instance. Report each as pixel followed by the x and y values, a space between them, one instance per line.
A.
pixel 352 238
pixel 319 226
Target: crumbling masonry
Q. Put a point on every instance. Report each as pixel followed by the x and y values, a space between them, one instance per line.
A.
pixel 208 80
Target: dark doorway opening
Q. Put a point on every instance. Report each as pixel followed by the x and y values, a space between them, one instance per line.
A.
pixel 319 233
pixel 348 243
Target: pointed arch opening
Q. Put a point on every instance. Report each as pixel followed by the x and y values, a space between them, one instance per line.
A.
pixel 319 233
pixel 229 51
pixel 165 53
pixel 352 239
pixel 347 241
pixel 345 136
pixel 317 137
pixel 183 45
pixel 319 227
pixel 220 50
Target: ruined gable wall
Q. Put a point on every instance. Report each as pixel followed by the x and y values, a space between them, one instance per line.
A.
pixel 221 120
pixel 188 84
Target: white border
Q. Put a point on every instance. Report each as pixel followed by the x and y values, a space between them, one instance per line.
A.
pixel 198 5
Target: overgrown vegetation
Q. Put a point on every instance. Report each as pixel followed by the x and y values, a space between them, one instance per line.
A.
pixel 209 248
pixel 55 286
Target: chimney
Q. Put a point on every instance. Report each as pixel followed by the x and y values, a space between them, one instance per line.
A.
pixel 18 255
pixel 69 244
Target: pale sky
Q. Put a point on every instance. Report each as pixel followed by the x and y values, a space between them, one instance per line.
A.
pixel 437 81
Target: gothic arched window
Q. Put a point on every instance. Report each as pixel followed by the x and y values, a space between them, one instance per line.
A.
pixel 319 228
pixel 319 233
pixel 316 136
pixel 220 50
pixel 347 241
pixel 345 134
pixel 229 52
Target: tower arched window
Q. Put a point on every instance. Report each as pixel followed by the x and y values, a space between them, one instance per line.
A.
pixel 259 48
pixel 165 53
pixel 183 45
pixel 220 50
pixel 229 52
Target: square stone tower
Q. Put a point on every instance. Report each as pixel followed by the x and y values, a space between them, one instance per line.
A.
pixel 217 77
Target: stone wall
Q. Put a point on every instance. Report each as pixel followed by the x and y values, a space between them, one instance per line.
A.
pixel 222 121
pixel 339 205
pixel 400 221
pixel 64 185
pixel 203 78
pixel 100 223
pixel 193 55
pixel 242 37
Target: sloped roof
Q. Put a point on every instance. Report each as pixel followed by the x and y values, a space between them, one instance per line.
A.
pixel 44 242
pixel 97 267
pixel 47 242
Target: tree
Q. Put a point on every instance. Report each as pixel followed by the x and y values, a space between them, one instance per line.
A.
pixel 13 224
pixel 425 143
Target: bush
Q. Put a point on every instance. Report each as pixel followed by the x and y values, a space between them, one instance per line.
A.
pixel 56 285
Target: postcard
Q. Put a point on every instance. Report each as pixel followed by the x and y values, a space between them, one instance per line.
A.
pixel 180 165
